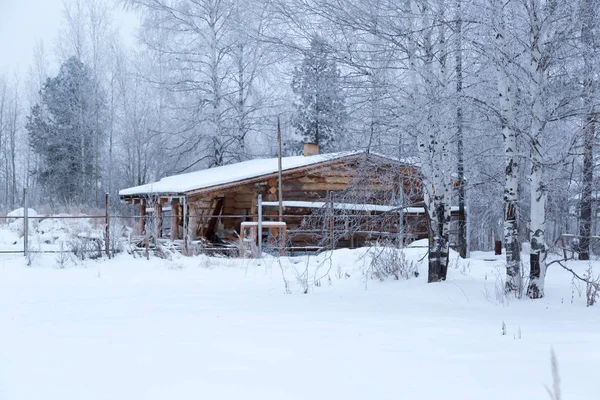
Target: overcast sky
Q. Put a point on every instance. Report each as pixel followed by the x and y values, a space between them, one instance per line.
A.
pixel 24 22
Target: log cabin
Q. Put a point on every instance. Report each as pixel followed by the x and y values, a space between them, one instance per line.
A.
pixel 346 199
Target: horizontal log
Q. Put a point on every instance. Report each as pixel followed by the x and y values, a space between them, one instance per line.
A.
pixel 338 187
pixel 313 186
pixel 329 179
pixel 243 200
pixel 300 195
pixel 242 205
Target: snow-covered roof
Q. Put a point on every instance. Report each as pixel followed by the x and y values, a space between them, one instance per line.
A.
pixel 227 174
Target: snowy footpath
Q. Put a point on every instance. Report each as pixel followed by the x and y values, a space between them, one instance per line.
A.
pixel 216 328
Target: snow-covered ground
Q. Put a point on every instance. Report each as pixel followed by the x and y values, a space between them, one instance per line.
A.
pixel 216 328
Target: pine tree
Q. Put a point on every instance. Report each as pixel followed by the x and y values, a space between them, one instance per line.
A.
pixel 320 109
pixel 62 132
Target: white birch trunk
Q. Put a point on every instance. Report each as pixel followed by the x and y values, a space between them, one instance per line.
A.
pixel 537 241
pixel 433 138
pixel 458 69
pixel 511 181
pixel 425 137
pixel 444 166
pixel 537 257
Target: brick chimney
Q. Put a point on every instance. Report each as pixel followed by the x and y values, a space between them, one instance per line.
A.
pixel 311 149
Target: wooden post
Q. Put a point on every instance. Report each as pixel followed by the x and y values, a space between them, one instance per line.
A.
pixel 205 217
pixel 331 221
pixel 260 217
pixel 158 225
pixel 254 208
pixel 142 216
pixel 273 225
pixel 497 247
pixel 283 234
pixel 279 170
pixel 107 226
pixel 185 226
pixel 144 227
pixel 174 219
pixel 562 240
pixel 401 221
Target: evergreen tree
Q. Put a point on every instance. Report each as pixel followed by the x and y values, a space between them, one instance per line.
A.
pixel 62 132
pixel 320 109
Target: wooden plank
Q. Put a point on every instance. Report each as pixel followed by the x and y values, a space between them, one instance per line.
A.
pixel 244 205
pixel 212 223
pixel 324 179
pixel 200 229
pixel 158 225
pixel 297 186
pixel 175 216
pixel 142 226
pixel 254 208
pixel 242 197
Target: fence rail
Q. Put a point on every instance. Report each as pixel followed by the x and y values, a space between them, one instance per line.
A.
pixel 119 225
pixel 327 223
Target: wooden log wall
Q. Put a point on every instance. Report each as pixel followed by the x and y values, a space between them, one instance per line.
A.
pixel 348 182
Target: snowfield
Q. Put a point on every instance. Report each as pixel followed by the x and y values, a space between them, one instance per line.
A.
pixel 217 328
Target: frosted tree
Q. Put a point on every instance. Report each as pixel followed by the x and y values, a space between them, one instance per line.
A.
pixel 213 60
pixel 460 148
pixel 10 109
pixel 429 84
pixel 360 40
pixel 320 110
pixel 87 33
pixel 140 118
pixel 502 60
pixel 550 30
pixel 3 114
pixel 250 58
pixel 197 53
pixel 589 48
pixel 61 132
pixel 404 49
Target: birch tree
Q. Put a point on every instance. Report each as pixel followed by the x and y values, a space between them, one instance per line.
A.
pixel 10 127
pixel 509 135
pixel 213 67
pixel 550 27
pixel 429 80
pixel 251 58
pixel 3 112
pixel 462 223
pixel 415 38
pixel 589 48
pixel 139 117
